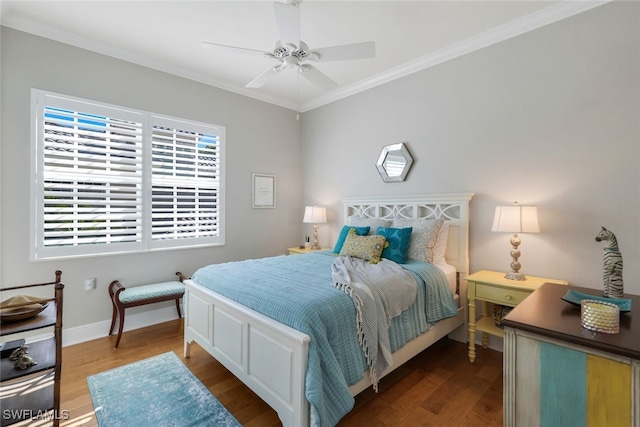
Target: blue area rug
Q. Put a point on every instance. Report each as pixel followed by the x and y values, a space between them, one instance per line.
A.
pixel 158 391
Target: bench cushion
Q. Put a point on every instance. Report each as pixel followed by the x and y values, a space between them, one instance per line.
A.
pixel 155 290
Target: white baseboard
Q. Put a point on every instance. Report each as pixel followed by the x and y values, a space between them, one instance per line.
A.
pixel 93 331
pixel 459 334
pixel 97 330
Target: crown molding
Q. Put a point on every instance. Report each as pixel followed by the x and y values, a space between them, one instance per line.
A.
pixel 533 21
pixel 92 45
pixel 546 16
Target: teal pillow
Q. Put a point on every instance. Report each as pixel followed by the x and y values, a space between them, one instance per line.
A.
pixel 360 231
pixel 398 239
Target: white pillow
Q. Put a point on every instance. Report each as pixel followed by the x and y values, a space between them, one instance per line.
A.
pixel 423 238
pixel 374 223
pixel 440 248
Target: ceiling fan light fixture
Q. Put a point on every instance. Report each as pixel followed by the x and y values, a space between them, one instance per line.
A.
pixel 290 61
pixel 282 51
pixel 291 52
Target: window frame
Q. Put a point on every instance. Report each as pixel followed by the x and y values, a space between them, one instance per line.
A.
pixel 146 242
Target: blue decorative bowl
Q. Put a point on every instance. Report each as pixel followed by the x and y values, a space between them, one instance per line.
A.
pixel 575 298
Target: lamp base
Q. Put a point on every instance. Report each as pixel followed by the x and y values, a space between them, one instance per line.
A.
pixel 315 245
pixel 515 275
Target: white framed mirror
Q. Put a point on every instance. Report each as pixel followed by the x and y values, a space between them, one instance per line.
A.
pixel 394 162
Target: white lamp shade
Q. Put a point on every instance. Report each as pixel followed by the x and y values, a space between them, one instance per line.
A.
pixel 516 219
pixel 315 215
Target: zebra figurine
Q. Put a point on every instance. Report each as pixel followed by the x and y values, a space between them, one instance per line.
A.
pixel 612 269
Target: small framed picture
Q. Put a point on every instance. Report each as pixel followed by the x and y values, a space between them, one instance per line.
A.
pixel 264 191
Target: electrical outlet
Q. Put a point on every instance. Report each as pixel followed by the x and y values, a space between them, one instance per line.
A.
pixel 90 284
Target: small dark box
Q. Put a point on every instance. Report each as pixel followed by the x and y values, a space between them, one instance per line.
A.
pixel 8 347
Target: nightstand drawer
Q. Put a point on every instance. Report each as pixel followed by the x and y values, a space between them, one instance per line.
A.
pixel 499 295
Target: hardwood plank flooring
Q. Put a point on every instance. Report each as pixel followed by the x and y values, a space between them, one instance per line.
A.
pixel 439 387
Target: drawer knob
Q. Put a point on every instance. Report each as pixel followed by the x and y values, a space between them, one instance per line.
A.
pixel 507 297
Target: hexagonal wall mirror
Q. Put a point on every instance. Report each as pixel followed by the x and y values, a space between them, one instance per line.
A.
pixel 394 162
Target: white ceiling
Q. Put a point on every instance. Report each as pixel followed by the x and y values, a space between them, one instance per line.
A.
pixel 167 35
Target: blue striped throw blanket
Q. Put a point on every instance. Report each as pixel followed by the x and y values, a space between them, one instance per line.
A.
pixel 379 292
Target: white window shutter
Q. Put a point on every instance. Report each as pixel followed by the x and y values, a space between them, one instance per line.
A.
pixel 185 176
pixel 92 189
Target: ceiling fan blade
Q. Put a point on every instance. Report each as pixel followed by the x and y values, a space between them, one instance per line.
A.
pixel 316 77
pixel 264 77
pixel 288 21
pixel 347 51
pixel 231 49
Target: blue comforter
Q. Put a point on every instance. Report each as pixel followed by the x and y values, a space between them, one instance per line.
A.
pixel 298 292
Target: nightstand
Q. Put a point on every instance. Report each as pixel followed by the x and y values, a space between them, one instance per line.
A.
pixel 298 250
pixel 491 287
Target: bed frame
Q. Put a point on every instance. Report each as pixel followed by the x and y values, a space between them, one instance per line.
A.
pixel 271 358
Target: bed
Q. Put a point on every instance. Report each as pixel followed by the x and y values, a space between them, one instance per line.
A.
pixel 278 361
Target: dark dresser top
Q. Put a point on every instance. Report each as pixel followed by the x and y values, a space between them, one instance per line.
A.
pixel 545 313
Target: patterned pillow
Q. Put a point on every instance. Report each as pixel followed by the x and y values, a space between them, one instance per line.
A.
pixel 360 231
pixel 368 248
pixel 423 238
pixel 440 248
pixel 374 223
pixel 398 239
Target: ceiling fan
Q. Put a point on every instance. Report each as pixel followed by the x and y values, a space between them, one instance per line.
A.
pixel 291 52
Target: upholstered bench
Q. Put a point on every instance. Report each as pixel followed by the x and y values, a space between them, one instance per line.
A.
pixel 122 298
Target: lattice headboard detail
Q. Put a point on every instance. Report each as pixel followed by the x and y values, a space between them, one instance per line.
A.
pixel 454 207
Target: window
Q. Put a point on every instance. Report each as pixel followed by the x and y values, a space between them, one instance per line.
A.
pixel 109 179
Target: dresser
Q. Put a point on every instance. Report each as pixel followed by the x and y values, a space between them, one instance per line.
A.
pixel 557 373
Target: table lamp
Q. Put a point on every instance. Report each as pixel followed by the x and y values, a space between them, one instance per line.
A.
pixel 315 215
pixel 516 219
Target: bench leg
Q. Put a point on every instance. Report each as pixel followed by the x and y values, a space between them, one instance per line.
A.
pixel 113 318
pixel 178 307
pixel 120 326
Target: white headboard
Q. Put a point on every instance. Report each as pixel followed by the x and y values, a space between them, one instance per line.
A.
pixel 454 207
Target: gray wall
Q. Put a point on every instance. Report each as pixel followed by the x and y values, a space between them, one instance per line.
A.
pixel 260 137
pixel 549 118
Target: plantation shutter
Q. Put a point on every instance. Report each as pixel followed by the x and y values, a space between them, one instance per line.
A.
pixel 91 176
pixel 185 182
pixel 107 179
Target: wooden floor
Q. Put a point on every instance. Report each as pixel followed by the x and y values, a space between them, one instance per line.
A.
pixel 439 387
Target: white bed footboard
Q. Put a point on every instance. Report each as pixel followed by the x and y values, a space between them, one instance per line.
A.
pixel 267 356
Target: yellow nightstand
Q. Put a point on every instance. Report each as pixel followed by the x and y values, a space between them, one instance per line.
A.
pixel 491 287
pixel 297 250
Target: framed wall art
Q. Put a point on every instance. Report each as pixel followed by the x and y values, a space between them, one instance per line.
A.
pixel 263 191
